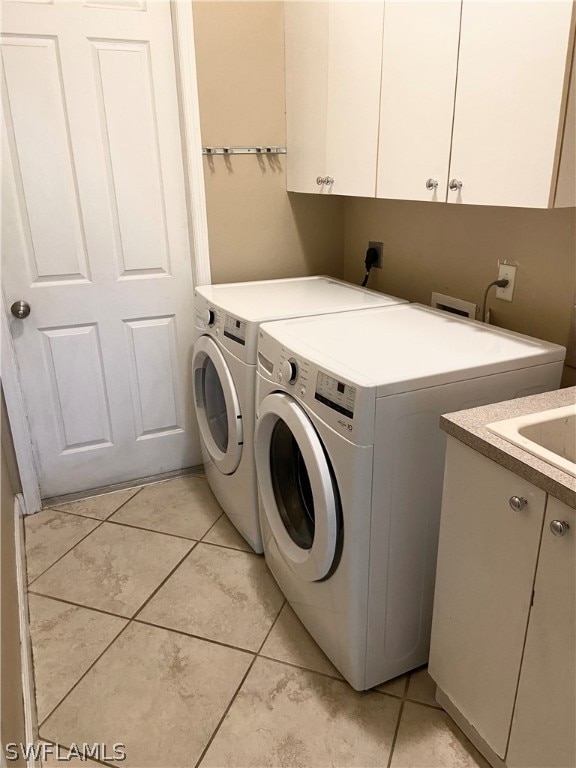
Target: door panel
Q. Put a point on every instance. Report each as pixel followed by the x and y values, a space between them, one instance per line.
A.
pixel 486 563
pixel 96 239
pixel 45 169
pixel 509 104
pixel 154 375
pixel 543 725
pixel 73 358
pixel 419 61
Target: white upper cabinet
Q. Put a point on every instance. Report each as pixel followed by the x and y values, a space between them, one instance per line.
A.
pixel 513 70
pixel 459 101
pixel 419 63
pixel 333 62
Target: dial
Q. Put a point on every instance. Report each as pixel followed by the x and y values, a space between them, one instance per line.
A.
pixel 289 369
pixel 210 317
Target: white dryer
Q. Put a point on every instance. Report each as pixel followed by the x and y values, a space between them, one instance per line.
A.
pixel 350 459
pixel 227 320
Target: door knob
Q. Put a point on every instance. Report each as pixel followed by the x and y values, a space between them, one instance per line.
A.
pixel 559 527
pixel 431 184
pixel 20 309
pixel 320 180
pixel 455 184
pixel 329 180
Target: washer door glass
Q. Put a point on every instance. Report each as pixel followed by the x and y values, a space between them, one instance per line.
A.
pixel 299 494
pixel 217 405
pixel 291 484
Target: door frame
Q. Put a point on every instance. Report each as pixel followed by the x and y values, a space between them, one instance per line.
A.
pixel 189 118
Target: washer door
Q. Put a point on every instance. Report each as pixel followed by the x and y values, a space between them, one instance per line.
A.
pixel 299 494
pixel 217 405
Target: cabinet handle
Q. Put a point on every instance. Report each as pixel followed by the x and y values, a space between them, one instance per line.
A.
pixel 320 180
pixel 431 184
pixel 455 185
pixel 328 180
pixel 518 503
pixel 559 527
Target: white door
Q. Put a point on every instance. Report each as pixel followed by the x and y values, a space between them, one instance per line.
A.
pixel 510 101
pixel 299 494
pixel 419 61
pixel 95 239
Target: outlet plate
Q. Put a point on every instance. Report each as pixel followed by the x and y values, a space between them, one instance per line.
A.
pixel 507 271
pixel 380 248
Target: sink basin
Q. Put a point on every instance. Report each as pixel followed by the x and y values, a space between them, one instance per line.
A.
pixel 549 435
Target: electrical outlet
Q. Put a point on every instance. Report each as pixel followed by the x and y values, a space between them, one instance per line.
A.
pixel 508 272
pixel 380 248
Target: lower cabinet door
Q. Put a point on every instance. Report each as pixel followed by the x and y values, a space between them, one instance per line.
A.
pixel 488 549
pixel 543 728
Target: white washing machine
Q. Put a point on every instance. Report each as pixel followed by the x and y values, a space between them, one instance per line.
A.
pixel 227 320
pixel 350 462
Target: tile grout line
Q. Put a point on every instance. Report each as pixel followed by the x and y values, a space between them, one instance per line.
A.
pixel 78 605
pixel 35 579
pixel 164 580
pixel 101 519
pixel 82 676
pixel 100 522
pixel 396 730
pixel 150 530
pixel 195 637
pixel 237 691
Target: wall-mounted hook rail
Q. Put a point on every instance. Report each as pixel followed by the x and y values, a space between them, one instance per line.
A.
pixel 264 150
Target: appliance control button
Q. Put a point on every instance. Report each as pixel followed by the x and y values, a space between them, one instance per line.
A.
pixel 289 370
pixel 210 318
pixel 302 391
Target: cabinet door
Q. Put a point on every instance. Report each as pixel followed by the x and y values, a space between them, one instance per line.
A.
pixel 419 60
pixel 510 101
pixel 486 564
pixel 333 62
pixel 307 40
pixel 355 59
pixel 545 714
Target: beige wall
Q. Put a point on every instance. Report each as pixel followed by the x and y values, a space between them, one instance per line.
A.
pixel 256 230
pixel 454 250
pixel 11 701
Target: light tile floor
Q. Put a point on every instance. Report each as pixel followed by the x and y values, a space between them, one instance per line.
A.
pixel 154 625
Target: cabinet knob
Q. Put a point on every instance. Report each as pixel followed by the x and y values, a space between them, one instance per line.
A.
pixel 320 180
pixel 559 527
pixel 518 503
pixel 455 185
pixel 431 184
pixel 329 180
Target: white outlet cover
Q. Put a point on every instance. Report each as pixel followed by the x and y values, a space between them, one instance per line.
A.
pixel 507 271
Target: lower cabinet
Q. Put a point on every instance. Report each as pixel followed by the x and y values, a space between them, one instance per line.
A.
pixel 544 724
pixel 503 636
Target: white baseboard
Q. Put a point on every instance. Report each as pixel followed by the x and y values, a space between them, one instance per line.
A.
pixel 30 715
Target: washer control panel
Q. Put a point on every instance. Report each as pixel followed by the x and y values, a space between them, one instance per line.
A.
pixel 335 394
pixel 235 329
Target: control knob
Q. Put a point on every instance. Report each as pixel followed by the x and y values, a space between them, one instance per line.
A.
pixel 289 369
pixel 210 317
